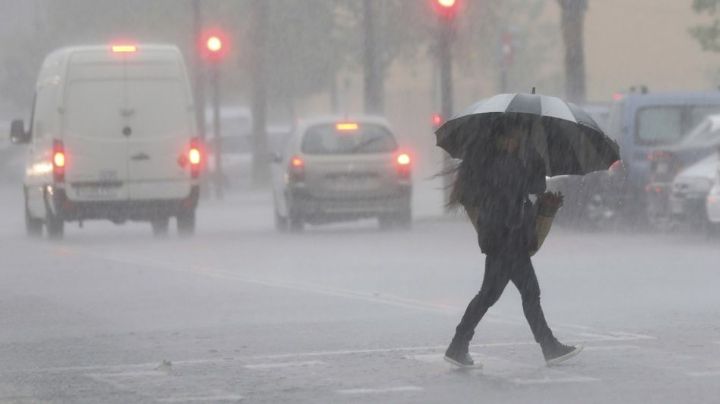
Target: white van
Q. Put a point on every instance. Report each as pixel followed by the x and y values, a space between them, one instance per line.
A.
pixel 112 136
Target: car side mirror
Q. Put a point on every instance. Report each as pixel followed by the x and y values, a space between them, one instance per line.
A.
pixel 18 135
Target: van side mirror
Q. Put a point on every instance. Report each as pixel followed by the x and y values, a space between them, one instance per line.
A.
pixel 275 157
pixel 18 135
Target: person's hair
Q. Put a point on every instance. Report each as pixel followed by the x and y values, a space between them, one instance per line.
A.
pixel 478 152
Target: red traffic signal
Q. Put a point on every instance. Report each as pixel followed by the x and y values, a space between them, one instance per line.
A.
pixel 446 9
pixel 437 120
pixel 214 45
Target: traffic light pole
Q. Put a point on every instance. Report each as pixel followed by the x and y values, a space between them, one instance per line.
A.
pixel 199 88
pixel 217 130
pixel 445 63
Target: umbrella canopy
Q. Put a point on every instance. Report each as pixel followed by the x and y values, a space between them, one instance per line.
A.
pixel 567 138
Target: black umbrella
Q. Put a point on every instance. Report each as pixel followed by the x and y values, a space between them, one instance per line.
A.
pixel 568 139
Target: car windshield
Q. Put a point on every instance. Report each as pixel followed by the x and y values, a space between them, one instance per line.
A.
pixel 702 133
pixel 359 139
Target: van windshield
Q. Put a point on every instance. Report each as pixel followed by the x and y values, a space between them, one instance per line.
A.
pixel 365 139
pixel 668 124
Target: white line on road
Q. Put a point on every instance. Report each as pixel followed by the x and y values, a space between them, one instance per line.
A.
pixel 233 398
pixel 281 365
pixel 149 366
pixel 611 347
pixel 399 389
pixel 706 373
pixel 383 298
pixel 548 380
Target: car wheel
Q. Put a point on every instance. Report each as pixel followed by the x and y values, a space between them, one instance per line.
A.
pixel 33 226
pixel 160 226
pixel 186 223
pixel 403 219
pixel 55 226
pixel 599 213
pixel 659 217
pixel 296 223
pixel 712 230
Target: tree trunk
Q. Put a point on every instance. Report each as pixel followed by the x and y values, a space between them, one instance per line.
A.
pixel 260 167
pixel 572 24
pixel 373 77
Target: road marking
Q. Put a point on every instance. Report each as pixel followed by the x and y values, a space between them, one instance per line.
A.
pixel 706 373
pixel 108 380
pixel 200 399
pixel 398 389
pixel 282 365
pixel 611 347
pixel 380 298
pixel 150 366
pixel 131 374
pixel 526 374
pixel 548 380
pixel 427 358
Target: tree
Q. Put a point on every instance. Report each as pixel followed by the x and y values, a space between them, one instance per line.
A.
pixel 707 35
pixel 484 27
pixel 572 26
pixel 370 33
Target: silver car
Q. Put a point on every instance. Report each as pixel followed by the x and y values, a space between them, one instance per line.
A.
pixel 690 190
pixel 336 169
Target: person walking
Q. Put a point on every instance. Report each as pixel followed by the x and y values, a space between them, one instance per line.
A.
pixel 493 186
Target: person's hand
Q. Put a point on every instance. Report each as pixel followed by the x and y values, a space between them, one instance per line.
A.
pixel 549 203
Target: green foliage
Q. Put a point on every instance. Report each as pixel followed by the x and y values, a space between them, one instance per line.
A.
pixel 534 43
pixel 708 35
pixel 709 6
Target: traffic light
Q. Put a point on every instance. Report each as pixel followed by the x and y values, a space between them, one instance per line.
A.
pixel 214 45
pixel 437 121
pixel 446 9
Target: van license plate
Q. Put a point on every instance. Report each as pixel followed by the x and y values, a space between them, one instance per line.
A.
pixel 97 192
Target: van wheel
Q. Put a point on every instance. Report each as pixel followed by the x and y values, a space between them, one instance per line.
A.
pixel 281 222
pixel 385 222
pixel 33 226
pixel 186 223
pixel 55 226
pixel 160 226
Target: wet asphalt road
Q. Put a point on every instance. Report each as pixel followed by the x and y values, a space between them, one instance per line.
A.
pixel 344 313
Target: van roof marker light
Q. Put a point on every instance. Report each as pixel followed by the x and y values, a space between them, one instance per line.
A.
pixel 124 48
pixel 346 126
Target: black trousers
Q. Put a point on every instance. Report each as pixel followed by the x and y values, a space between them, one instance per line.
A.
pixel 499 270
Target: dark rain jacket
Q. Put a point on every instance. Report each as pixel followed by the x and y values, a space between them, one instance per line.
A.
pixel 497 201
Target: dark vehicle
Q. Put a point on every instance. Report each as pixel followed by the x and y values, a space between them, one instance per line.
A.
pixel 574 187
pixel 642 123
pixel 673 188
